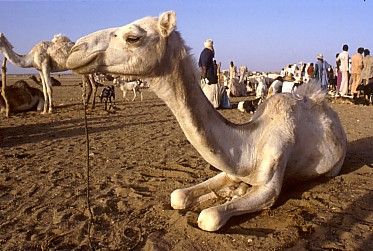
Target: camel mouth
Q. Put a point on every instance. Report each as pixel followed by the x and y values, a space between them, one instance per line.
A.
pixel 81 63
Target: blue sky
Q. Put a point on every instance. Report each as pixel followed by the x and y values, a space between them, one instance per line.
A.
pixel 263 35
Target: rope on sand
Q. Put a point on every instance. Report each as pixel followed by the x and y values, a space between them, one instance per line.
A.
pixel 87 171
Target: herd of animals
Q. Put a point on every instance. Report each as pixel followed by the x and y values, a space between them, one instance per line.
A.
pixel 51 56
pixel 255 158
pixel 22 97
pixel 47 57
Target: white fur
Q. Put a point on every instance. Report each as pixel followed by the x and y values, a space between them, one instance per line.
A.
pixel 125 86
pixel 290 136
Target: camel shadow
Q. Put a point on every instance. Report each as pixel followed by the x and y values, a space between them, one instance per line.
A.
pixel 359 154
pixel 336 225
pixel 67 128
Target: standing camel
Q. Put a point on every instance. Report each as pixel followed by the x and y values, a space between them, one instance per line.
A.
pixel 46 57
pixel 290 137
pixel 89 87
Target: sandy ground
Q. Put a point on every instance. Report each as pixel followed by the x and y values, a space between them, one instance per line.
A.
pixel 138 156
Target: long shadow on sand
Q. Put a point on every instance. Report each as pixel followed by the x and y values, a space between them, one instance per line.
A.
pixel 67 128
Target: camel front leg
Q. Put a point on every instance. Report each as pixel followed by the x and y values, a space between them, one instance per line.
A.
pixel 86 89
pixel 93 85
pixel 257 198
pixel 3 87
pixel 94 90
pixel 48 84
pixel 45 105
pixel 182 198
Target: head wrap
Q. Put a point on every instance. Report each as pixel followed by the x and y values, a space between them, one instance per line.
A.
pixel 209 44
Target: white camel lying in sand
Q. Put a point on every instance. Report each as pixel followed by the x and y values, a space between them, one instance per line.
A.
pixel 289 137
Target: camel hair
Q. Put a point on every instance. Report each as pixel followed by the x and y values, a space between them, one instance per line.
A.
pixel 47 57
pixel 21 97
pixel 290 137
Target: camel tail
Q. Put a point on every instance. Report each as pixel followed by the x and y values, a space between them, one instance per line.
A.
pixel 312 90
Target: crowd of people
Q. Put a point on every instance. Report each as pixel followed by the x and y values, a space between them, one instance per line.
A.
pixel 341 80
pixel 353 71
pixel 348 74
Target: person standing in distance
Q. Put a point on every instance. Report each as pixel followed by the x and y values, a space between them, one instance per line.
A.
pixel 208 74
pixel 367 72
pixel 343 58
pixel 356 69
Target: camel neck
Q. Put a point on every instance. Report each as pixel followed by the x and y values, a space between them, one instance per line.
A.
pixel 219 141
pixel 24 61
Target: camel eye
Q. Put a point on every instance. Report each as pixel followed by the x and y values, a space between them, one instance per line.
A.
pixel 132 39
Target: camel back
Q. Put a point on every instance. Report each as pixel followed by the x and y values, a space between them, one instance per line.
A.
pixel 312 90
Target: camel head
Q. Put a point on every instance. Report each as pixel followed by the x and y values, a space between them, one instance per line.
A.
pixel 4 42
pixel 137 49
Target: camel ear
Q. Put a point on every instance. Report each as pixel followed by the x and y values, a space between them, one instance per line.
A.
pixel 167 23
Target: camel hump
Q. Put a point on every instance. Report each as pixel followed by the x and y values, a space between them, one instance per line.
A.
pixel 24 87
pixel 61 44
pixel 59 50
pixel 312 90
pixel 59 38
pixel 21 84
pixel 41 47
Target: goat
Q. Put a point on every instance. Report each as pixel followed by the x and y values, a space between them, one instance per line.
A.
pixel 108 92
pixel 128 86
pixel 249 105
pixel 367 90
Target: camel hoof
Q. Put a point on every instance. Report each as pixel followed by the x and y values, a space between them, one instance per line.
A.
pixel 210 220
pixel 178 199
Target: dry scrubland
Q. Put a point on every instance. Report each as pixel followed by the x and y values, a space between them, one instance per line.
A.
pixel 139 156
